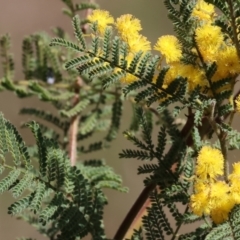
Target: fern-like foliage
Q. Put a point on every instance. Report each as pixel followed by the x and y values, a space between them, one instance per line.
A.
pixel 174 186
pixel 66 202
pixel 156 222
pixel 157 153
pixel 67 199
pixel 46 77
pixel 111 67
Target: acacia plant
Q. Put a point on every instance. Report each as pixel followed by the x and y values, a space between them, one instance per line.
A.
pixel 189 179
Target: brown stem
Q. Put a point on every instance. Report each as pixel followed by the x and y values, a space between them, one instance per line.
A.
pixel 135 213
pixel 73 129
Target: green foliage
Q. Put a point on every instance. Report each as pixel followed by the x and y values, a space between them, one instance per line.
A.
pixel 76 109
pixel 82 80
pixel 150 152
pixel 72 8
pixel 102 176
pixel 61 201
pixel 69 199
pixel 78 32
pixel 234 140
pixel 40 62
pixel 156 222
pixel 141 66
pixel 49 117
pixel 105 58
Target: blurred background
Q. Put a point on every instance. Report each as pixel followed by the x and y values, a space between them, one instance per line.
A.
pixel 21 18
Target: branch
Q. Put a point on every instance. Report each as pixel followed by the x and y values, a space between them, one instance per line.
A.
pixel 73 129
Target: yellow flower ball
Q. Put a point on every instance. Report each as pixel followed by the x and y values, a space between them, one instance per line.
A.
pixel 170 47
pixel 209 163
pixel 103 18
pixel 209 39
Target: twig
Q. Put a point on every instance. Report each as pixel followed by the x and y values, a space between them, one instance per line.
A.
pixel 135 213
pixel 73 129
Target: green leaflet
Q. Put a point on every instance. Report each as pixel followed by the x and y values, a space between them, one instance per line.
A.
pixel 76 109
pixel 78 31
pixel 62 42
pixel 46 95
pixel 47 116
pixel 7 182
pixel 89 124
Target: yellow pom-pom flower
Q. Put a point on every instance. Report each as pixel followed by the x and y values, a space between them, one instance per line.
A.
pixel 222 202
pixel 138 43
pixel 234 179
pixel 209 163
pixel 203 11
pixel 194 75
pixel 103 18
pixel 236 171
pixel 219 192
pixel 235 191
pixel 212 198
pixel 221 213
pixel 209 39
pixel 200 203
pixel 128 26
pixel 170 47
pixel 228 64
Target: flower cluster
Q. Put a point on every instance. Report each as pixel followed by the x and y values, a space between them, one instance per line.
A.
pixel 210 46
pixel 128 29
pixel 213 196
pixel 103 19
pixel 203 11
